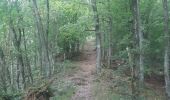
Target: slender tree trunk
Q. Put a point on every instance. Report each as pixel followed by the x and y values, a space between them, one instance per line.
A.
pixel 98 36
pixel 141 54
pixel 110 23
pixel 18 76
pixel 17 45
pixel 11 71
pixel 139 39
pixel 47 33
pixel 27 59
pixel 110 43
pixel 3 74
pixel 138 69
pixel 132 67
pixel 39 32
pixel 167 49
pixel 43 44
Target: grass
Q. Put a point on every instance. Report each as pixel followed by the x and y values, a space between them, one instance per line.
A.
pixel 64 88
pixel 103 92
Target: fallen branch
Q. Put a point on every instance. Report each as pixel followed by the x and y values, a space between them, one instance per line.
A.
pixel 40 93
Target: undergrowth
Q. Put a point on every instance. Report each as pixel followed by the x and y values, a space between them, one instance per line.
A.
pixel 64 88
pixel 111 85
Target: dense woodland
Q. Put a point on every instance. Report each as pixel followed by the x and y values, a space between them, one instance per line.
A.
pixel 40 39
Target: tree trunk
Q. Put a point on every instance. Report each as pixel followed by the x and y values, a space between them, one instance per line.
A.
pixel 98 36
pixel 141 39
pixel 47 33
pixel 28 66
pixel 138 67
pixel 17 45
pixel 133 77
pixel 167 49
pixel 43 44
pixel 110 23
pixel 3 74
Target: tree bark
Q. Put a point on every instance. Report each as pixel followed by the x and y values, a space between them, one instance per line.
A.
pixel 110 23
pixel 17 44
pixel 3 74
pixel 28 66
pixel 47 33
pixel 138 67
pixel 43 44
pixel 141 53
pixel 167 48
pixel 98 36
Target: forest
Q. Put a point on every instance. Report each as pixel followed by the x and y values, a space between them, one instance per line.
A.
pixel 84 49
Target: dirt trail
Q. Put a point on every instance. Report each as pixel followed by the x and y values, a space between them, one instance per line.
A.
pixel 84 77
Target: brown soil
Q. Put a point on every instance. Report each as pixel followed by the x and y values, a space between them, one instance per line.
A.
pixel 83 78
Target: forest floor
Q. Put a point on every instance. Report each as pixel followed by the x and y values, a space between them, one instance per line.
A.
pixel 85 76
pixel 82 83
pixel 77 80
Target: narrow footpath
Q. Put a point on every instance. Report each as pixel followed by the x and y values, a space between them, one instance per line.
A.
pixel 83 78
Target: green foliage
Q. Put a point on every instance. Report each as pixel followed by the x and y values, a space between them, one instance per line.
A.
pixel 69 22
pixel 72 20
pixel 152 28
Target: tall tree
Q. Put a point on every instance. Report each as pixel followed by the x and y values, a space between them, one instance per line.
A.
pixel 98 35
pixel 110 23
pixel 138 43
pixel 139 38
pixel 3 74
pixel 43 44
pixel 167 48
pixel 16 33
pixel 47 35
pixel 141 45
